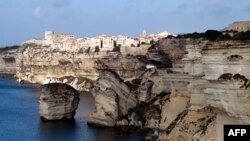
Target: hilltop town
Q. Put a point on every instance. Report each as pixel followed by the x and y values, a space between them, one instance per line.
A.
pixel 69 42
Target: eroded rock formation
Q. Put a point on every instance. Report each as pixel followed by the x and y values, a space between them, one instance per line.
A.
pixel 207 88
pixel 8 61
pixel 213 82
pixel 42 65
pixel 183 89
pixel 58 102
pixel 113 99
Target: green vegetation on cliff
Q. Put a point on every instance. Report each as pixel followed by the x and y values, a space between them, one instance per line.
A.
pixel 97 49
pixel 214 35
pixel 7 48
pixel 116 49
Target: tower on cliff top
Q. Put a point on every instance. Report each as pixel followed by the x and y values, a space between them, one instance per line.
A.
pixel 48 34
pixel 144 33
pixel 48 37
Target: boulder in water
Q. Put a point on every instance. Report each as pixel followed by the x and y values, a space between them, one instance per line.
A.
pixel 58 102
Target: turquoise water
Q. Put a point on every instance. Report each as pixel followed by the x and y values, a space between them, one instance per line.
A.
pixel 20 121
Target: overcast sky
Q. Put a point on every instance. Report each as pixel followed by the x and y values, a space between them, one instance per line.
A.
pixel 25 19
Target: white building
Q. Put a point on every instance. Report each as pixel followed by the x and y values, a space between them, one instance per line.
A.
pixel 107 41
pixel 104 42
pixel 121 40
pixel 132 42
pixel 62 41
pixel 88 42
pixel 124 41
pixel 146 39
pixel 82 42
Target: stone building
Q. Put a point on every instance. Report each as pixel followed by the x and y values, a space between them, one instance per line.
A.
pixel 240 26
pixel 62 41
pixel 69 42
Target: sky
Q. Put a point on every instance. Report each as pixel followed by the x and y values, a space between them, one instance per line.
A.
pixel 21 20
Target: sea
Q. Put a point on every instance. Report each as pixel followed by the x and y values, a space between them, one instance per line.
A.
pixel 20 120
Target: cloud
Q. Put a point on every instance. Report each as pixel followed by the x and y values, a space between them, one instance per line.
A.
pixel 58 3
pixel 38 12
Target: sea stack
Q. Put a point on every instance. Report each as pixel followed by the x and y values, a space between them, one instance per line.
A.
pixel 58 102
pixel 113 99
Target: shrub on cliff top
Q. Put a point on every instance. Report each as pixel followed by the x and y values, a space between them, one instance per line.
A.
pixel 88 50
pixel 212 35
pixel 116 49
pixel 242 35
pixel 224 37
pixel 194 35
pixel 97 49
pixel 9 48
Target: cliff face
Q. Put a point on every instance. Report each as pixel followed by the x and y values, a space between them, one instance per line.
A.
pixel 227 75
pixel 113 99
pixel 226 57
pixel 183 89
pixel 8 61
pixel 45 65
pixel 193 97
pixel 37 64
pixel 209 88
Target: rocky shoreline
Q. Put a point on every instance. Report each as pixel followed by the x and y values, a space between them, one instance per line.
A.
pixel 182 89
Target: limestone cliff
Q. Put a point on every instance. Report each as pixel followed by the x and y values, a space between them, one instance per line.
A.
pixel 182 89
pixel 209 89
pixel 195 95
pixel 113 99
pixel 8 61
pixel 43 65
